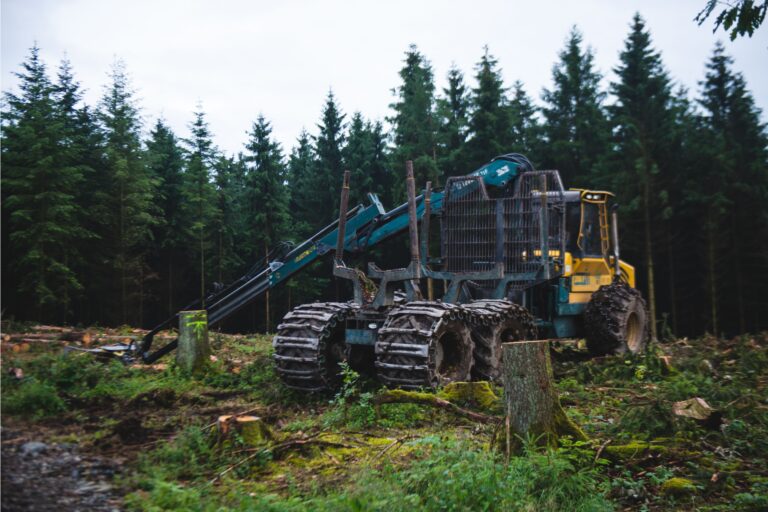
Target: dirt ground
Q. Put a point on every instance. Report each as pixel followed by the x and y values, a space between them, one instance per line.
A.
pixel 81 433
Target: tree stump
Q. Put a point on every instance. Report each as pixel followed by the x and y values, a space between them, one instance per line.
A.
pixel 534 412
pixel 193 352
pixel 248 430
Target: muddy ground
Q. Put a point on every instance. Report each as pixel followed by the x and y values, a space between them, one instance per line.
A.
pixel 83 433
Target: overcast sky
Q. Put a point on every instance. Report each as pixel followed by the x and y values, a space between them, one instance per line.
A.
pixel 241 58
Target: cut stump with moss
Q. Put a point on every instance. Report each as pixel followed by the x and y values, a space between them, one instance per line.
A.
pixel 193 352
pixel 248 430
pixel 533 407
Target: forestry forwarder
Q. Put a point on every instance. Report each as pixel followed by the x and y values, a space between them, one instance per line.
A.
pixel 519 255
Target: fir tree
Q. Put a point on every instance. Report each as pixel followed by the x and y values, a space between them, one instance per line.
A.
pixel 165 161
pixel 329 164
pixel 576 127
pixel 739 188
pixel 266 195
pixel 414 123
pixel 357 155
pixel 301 175
pixel 524 126
pixel 452 112
pixel 642 115
pixel 230 222
pixel 40 186
pixel 199 196
pixel 490 122
pixel 126 205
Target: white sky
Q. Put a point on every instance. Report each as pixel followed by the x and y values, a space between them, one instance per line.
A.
pixel 240 58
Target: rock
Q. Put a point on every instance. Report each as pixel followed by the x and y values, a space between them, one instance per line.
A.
pixel 33 448
pixel 678 487
pixel 699 410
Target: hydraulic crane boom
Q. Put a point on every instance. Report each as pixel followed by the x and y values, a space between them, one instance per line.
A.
pixel 366 226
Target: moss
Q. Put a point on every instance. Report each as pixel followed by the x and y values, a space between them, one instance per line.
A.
pixel 678 487
pixel 478 394
pixel 635 449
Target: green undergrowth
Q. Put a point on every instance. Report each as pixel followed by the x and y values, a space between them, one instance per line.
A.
pixel 445 475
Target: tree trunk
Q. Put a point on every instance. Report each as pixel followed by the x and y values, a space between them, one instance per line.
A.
pixel 649 252
pixel 711 276
pixel 534 413
pixel 193 353
pixel 266 295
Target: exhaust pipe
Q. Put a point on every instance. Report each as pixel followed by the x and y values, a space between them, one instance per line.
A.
pixel 343 205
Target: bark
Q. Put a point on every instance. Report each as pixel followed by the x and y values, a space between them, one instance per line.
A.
pixel 649 252
pixel 534 413
pixel 711 276
pixel 193 352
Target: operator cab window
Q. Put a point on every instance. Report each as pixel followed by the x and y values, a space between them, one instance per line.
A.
pixel 590 239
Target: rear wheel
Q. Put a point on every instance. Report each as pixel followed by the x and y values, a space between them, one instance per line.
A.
pixel 616 321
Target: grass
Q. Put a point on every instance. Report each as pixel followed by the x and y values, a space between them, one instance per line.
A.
pixel 405 456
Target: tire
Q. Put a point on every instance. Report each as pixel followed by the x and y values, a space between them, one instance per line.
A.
pixel 616 321
pixel 424 345
pixel 310 345
pixel 500 321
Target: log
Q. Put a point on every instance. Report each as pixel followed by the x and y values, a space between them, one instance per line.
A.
pixel 533 408
pixel 392 396
pixel 193 352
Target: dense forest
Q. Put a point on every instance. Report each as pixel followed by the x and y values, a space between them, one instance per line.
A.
pixel 108 219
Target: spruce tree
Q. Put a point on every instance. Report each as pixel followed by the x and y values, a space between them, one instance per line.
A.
pixel 165 161
pixel 40 184
pixel 489 123
pixel 642 116
pixel 266 196
pixel 199 196
pixel 357 159
pixel 452 113
pixel 229 178
pixel 300 178
pixel 576 127
pixel 126 205
pixel 329 164
pixel 414 123
pixel 524 126
pixel 739 147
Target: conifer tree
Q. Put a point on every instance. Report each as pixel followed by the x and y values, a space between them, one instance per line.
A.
pixel 576 127
pixel 642 115
pixel 40 186
pixel 356 153
pixel 266 195
pixel 199 196
pixel 300 178
pixel 126 205
pixel 525 129
pixel 229 223
pixel 414 124
pixel 452 112
pixel 329 164
pixel 739 188
pixel 489 122
pixel 165 161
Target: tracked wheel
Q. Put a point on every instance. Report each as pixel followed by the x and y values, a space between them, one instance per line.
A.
pixel 424 345
pixel 496 322
pixel 309 346
pixel 616 320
